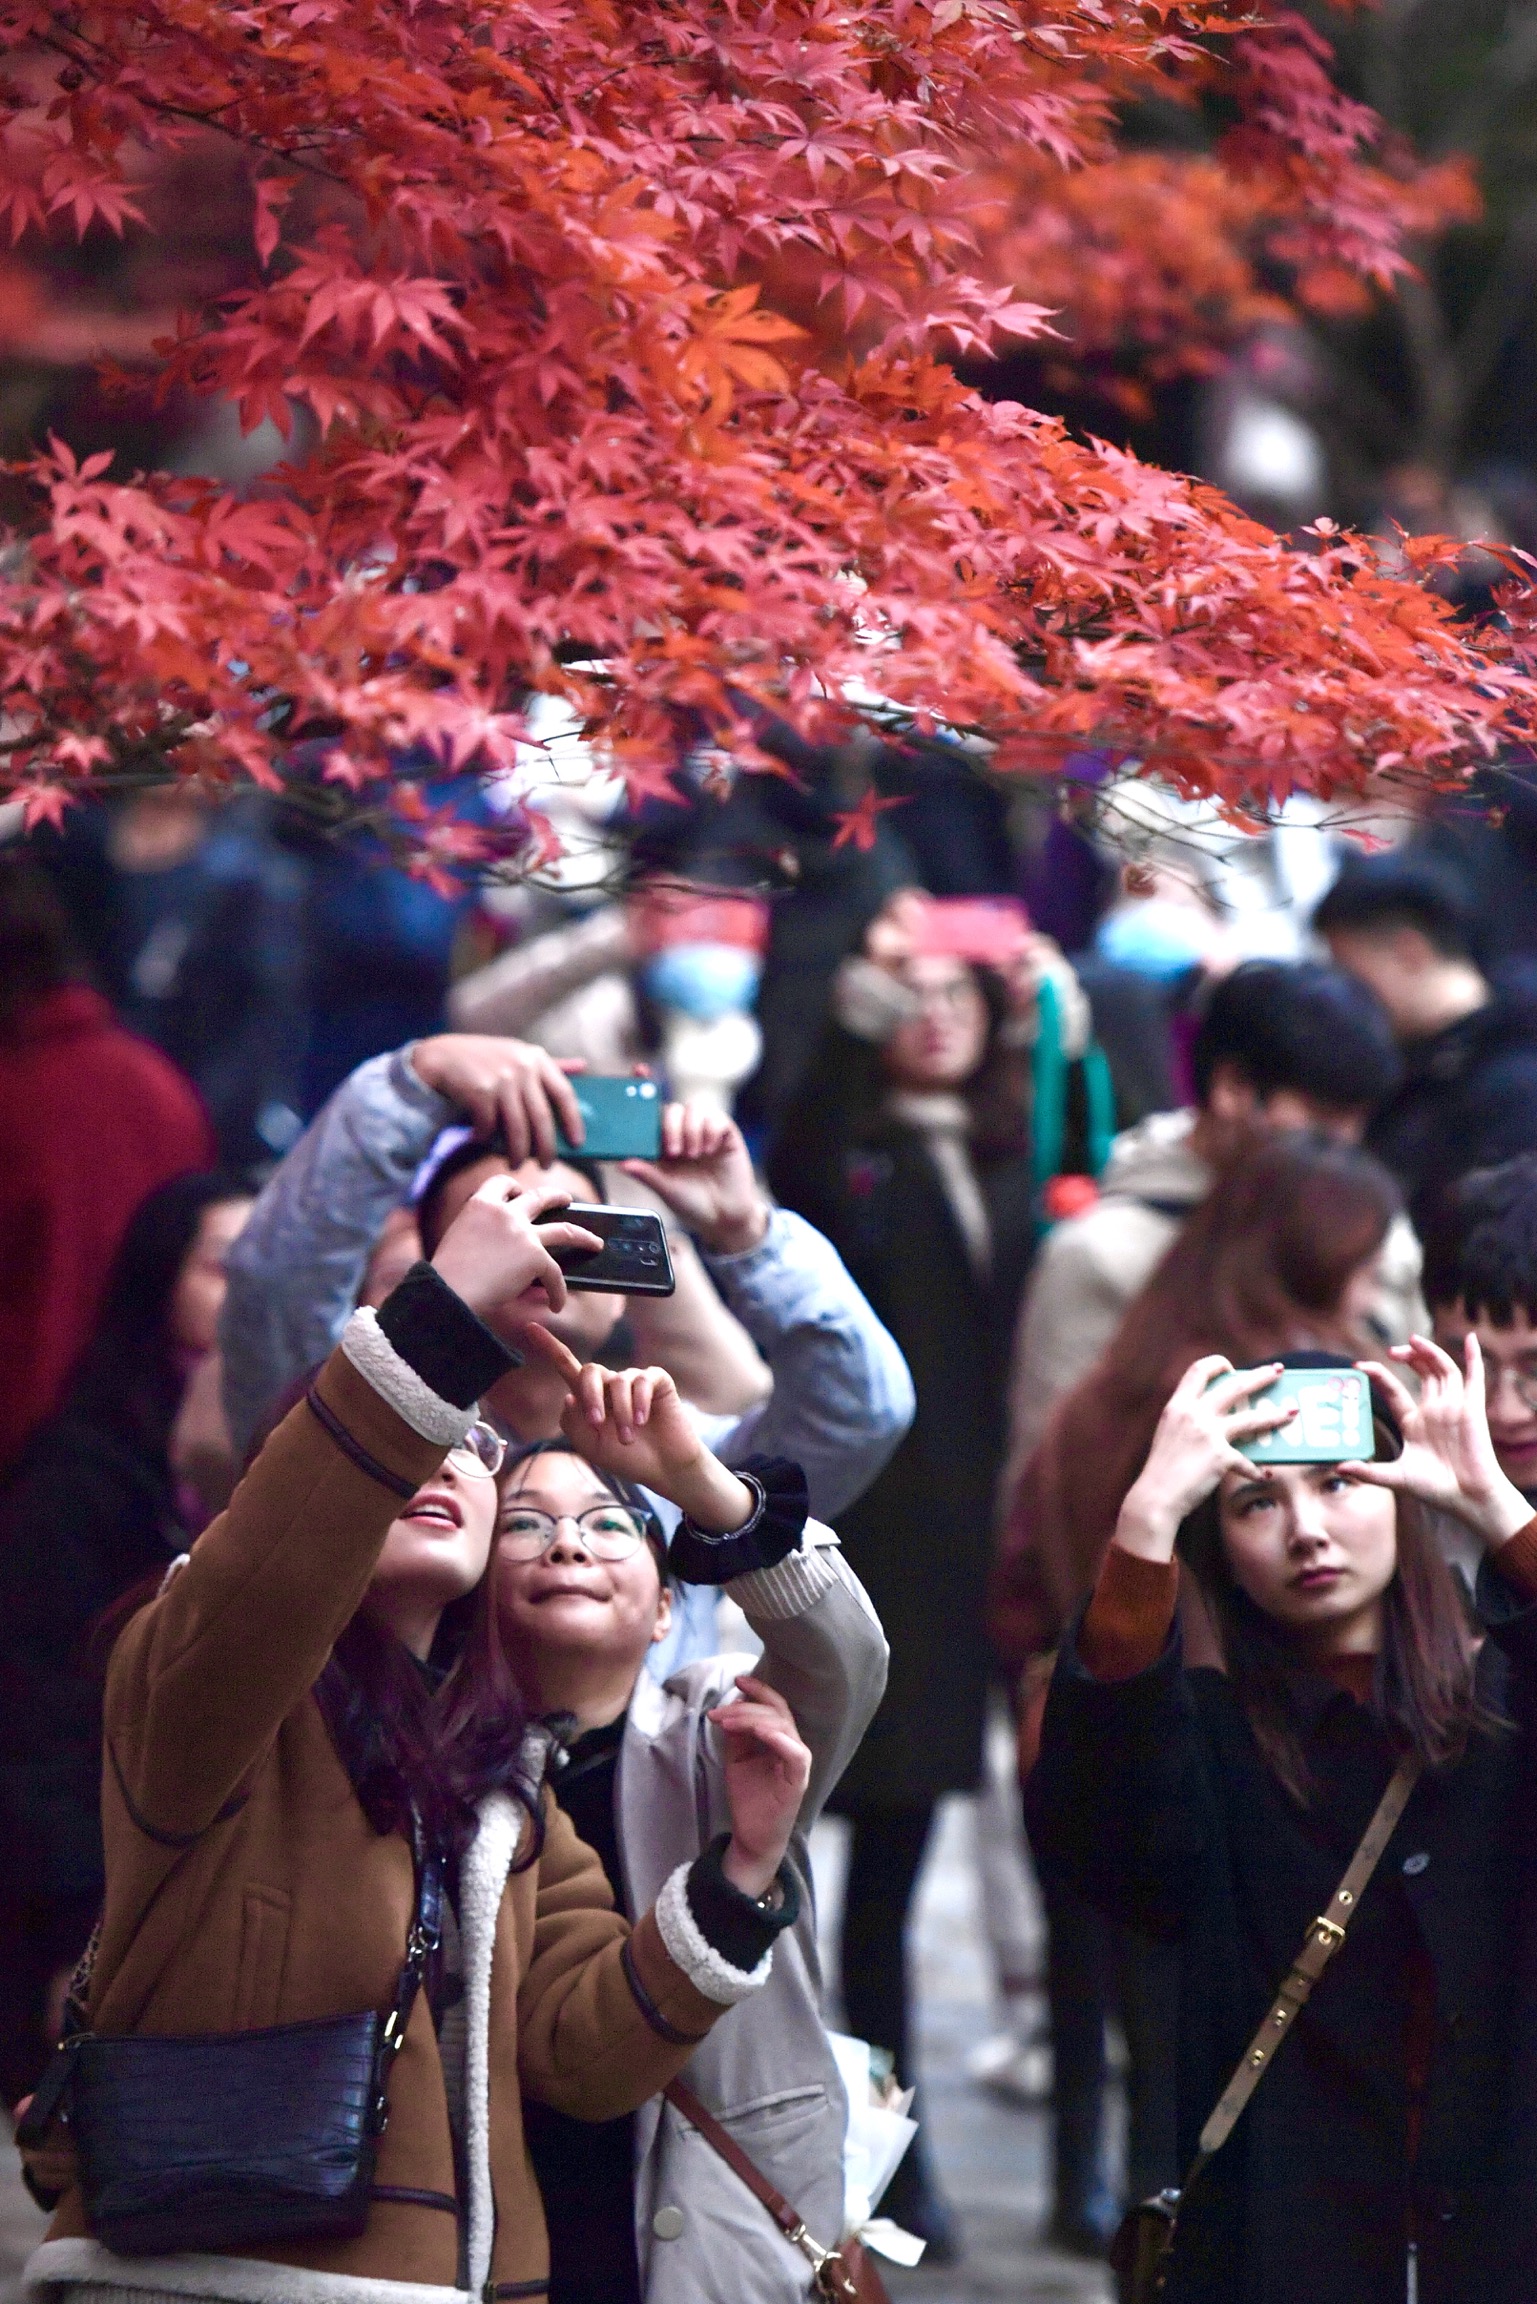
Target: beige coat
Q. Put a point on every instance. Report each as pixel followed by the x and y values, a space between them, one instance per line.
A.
pixel 245 1886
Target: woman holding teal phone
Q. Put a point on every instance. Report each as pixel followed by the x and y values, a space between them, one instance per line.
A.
pixel 1389 2152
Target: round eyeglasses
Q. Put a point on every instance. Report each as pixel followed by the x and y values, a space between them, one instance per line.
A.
pixel 607 1531
pixel 479 1454
pixel 1523 1378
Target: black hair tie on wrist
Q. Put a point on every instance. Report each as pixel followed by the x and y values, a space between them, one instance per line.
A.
pixel 771 1535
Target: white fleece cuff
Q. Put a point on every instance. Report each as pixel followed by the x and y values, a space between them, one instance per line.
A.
pixel 709 1971
pixel 395 1380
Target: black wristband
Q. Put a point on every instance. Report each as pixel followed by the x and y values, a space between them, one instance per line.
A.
pixel 771 1535
pixel 740 1928
pixel 449 1346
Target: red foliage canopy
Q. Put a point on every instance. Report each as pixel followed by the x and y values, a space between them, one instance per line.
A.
pixel 609 336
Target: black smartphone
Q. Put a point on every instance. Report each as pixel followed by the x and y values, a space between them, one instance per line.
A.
pixel 633 1260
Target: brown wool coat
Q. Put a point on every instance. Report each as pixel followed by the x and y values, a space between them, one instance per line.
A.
pixel 245 1886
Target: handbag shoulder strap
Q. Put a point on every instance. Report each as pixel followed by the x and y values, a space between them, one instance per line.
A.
pixel 833 2279
pixel 720 2139
pixel 1321 1943
pixel 422 1940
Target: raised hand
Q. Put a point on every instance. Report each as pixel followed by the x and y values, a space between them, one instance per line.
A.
pixel 506 1084
pixel 491 1254
pixel 1448 1458
pixel 705 1176
pixel 767 1769
pixel 630 1421
pixel 895 933
pixel 1209 1410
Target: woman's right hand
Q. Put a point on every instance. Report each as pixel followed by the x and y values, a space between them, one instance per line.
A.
pixel 52 2165
pixel 1210 1408
pixel 496 1249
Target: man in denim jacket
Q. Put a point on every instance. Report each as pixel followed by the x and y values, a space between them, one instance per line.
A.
pixel 842 1396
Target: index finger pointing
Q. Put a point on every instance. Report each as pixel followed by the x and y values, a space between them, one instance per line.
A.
pixel 551 1348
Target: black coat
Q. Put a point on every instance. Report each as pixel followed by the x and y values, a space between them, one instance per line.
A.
pixel 1468 1098
pixel 85 1515
pixel 921 1538
pixel 1152 1796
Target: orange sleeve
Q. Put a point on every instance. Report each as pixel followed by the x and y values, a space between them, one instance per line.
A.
pixel 1516 1559
pixel 1130 1614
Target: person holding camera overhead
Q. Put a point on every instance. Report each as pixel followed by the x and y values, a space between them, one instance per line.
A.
pixel 1336 1833
pixel 842 1397
pixel 308 1824
pixel 909 1146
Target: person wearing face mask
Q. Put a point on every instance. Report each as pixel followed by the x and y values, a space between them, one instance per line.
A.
pixel 286 1766
pixel 1388 2149
pixel 641 2206
pixel 909 1146
pixel 1481 1279
pixel 841 1398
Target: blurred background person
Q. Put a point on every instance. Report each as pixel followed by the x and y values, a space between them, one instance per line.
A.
pixel 91 1120
pixel 1403 923
pixel 1279 1045
pixel 1282 1255
pixel 192 916
pixel 1481 1279
pixel 909 1146
pixel 102 1496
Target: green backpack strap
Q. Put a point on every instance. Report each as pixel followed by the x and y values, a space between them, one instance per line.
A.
pixel 1048 1070
pixel 1050 1074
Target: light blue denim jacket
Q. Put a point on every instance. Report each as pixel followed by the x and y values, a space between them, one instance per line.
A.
pixel 842 1397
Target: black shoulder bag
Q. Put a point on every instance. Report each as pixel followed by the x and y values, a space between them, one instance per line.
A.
pixel 234 2139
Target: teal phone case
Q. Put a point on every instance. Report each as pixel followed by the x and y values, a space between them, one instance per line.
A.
pixel 622 1117
pixel 1333 1423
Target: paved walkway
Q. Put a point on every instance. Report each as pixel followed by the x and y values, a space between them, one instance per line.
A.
pixel 993 2160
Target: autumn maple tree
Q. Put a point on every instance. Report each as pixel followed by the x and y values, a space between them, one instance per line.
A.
pixel 611 342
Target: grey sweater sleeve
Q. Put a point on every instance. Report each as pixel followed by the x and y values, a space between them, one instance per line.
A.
pixel 297 1268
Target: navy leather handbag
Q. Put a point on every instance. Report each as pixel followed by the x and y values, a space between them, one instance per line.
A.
pixel 234 2139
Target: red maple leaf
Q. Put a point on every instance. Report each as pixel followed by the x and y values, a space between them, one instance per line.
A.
pixel 856 826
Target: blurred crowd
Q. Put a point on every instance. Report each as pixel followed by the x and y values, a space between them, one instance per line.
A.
pixel 977 1140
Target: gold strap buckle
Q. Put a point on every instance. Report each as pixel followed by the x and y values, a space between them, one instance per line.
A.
pixel 1329 1934
pixel 831 2274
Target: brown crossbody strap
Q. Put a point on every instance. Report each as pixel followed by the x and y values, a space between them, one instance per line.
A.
pixel 832 2279
pixel 1323 1940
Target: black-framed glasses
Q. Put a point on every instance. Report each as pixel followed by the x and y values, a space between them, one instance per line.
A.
pixel 479 1455
pixel 607 1531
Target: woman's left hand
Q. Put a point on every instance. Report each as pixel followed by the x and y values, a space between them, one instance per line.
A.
pixel 767 1771
pixel 1448 1458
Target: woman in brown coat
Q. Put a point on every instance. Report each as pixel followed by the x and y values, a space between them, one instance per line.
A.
pixel 271 1722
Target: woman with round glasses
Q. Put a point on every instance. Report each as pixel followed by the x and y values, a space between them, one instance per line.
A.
pixel 640 2207
pixel 284 1755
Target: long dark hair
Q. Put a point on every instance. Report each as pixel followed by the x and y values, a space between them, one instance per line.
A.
pixel 840 1105
pixel 1261 1266
pixel 131 1378
pixel 1423 1692
pixel 428 1741
pixel 432 1739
